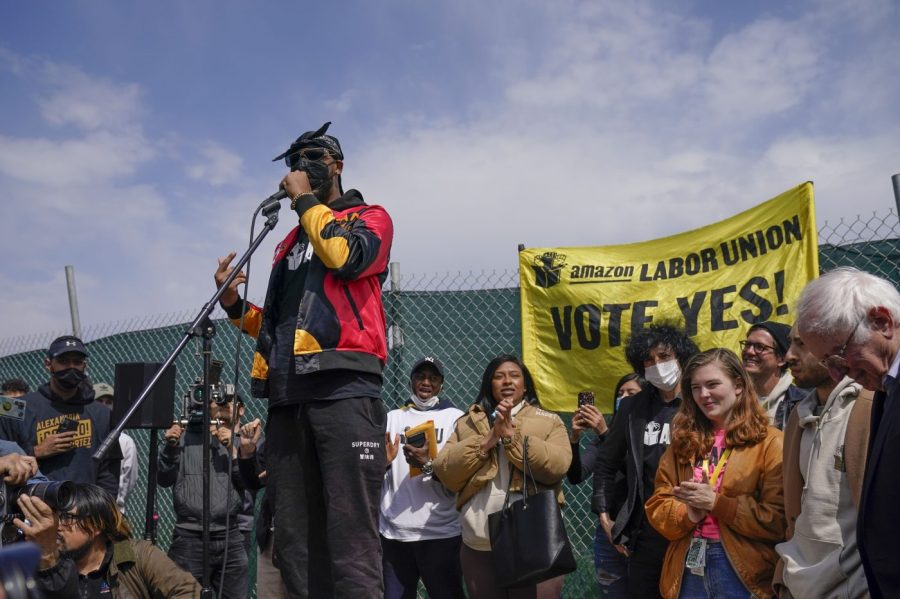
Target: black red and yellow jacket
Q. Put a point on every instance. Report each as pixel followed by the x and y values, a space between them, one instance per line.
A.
pixel 340 323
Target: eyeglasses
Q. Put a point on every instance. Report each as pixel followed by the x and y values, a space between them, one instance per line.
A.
pixel 759 348
pixel 310 154
pixel 433 378
pixel 836 364
pixel 68 518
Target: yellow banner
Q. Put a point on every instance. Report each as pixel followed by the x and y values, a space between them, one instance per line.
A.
pixel 580 304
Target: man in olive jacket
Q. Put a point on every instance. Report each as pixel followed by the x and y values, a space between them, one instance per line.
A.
pixel 95 554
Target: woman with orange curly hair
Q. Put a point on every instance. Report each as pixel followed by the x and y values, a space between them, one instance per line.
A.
pixel 719 497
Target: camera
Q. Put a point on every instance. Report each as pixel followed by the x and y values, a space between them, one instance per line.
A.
pixel 220 393
pixel 59 495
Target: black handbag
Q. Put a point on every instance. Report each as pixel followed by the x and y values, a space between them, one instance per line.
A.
pixel 528 538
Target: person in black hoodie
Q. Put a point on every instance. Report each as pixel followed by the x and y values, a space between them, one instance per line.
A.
pixel 62 425
pixel 635 442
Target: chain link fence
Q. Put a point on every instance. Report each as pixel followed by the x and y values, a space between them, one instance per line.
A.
pixel 465 318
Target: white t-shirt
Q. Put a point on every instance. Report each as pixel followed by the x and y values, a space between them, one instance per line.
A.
pixel 129 470
pixel 418 508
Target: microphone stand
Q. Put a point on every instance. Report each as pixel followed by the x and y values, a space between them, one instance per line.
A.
pixel 201 327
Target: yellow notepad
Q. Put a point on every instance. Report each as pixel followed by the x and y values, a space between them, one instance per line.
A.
pixel 430 438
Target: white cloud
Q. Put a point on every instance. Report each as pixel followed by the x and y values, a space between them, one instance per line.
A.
pixel 89 103
pixel 763 69
pixel 611 123
pixel 96 157
pixel 344 102
pixel 218 166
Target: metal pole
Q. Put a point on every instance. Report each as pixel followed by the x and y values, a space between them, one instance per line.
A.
pixel 896 180
pixel 73 301
pixel 396 331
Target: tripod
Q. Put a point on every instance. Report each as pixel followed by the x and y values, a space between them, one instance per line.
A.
pixel 203 328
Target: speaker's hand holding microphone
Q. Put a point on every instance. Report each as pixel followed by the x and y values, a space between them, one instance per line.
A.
pixel 296 183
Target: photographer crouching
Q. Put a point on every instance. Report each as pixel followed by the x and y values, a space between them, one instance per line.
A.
pixel 86 551
pixel 181 465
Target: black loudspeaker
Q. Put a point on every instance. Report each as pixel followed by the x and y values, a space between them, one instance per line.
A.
pixel 158 409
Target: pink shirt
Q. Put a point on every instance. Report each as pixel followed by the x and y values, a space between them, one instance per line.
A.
pixel 709 526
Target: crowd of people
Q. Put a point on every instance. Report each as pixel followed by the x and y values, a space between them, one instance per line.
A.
pixel 761 472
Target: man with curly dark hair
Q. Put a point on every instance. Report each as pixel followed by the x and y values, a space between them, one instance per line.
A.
pixel 638 438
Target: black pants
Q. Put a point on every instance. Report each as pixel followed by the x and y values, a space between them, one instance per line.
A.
pixel 435 561
pixel 645 564
pixel 327 461
pixel 481 582
pixel 186 551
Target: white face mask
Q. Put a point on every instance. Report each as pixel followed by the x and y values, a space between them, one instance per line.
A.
pixel 664 376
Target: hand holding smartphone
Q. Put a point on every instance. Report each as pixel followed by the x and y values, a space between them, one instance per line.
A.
pixel 585 398
pixel 68 425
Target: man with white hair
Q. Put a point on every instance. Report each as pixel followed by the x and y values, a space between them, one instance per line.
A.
pixel 850 320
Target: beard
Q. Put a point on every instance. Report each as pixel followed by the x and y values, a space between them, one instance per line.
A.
pixel 77 553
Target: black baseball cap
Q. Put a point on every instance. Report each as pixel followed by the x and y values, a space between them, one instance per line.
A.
pixel 429 361
pixel 65 345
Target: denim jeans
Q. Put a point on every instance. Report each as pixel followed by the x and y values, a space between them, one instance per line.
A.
pixel 719 581
pixel 612 567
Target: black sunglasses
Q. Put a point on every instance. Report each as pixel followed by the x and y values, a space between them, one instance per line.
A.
pixel 310 154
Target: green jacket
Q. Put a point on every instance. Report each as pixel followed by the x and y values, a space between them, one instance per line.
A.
pixel 138 570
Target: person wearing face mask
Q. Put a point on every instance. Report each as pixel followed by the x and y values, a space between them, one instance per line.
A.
pixel 63 425
pixel 419 525
pixel 321 347
pixel 636 440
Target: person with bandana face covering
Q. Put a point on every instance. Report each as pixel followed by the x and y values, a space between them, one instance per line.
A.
pixel 320 352
pixel 419 523
pixel 635 442
pixel 63 425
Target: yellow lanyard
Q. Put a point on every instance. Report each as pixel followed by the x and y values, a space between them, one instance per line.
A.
pixel 719 466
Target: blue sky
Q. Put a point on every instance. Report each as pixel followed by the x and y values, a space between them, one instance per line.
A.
pixel 136 138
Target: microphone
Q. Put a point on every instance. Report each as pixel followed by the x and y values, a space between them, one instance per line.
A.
pixel 272 202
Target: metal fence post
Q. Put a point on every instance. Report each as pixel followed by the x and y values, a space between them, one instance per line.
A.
pixel 73 301
pixel 896 180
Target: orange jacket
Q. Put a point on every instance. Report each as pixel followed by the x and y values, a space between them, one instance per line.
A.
pixel 749 507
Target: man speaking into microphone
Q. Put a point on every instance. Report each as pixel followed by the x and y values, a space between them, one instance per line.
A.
pixel 321 348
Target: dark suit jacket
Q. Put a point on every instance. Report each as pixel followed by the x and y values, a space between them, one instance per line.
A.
pixel 879 510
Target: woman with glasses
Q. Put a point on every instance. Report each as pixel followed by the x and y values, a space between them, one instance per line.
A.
pixel 719 498
pixel 484 457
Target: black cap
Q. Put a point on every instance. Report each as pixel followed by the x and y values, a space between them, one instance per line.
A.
pixel 66 344
pixel 428 360
pixel 780 332
pixel 313 139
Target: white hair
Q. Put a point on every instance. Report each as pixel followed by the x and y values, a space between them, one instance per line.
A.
pixel 835 303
